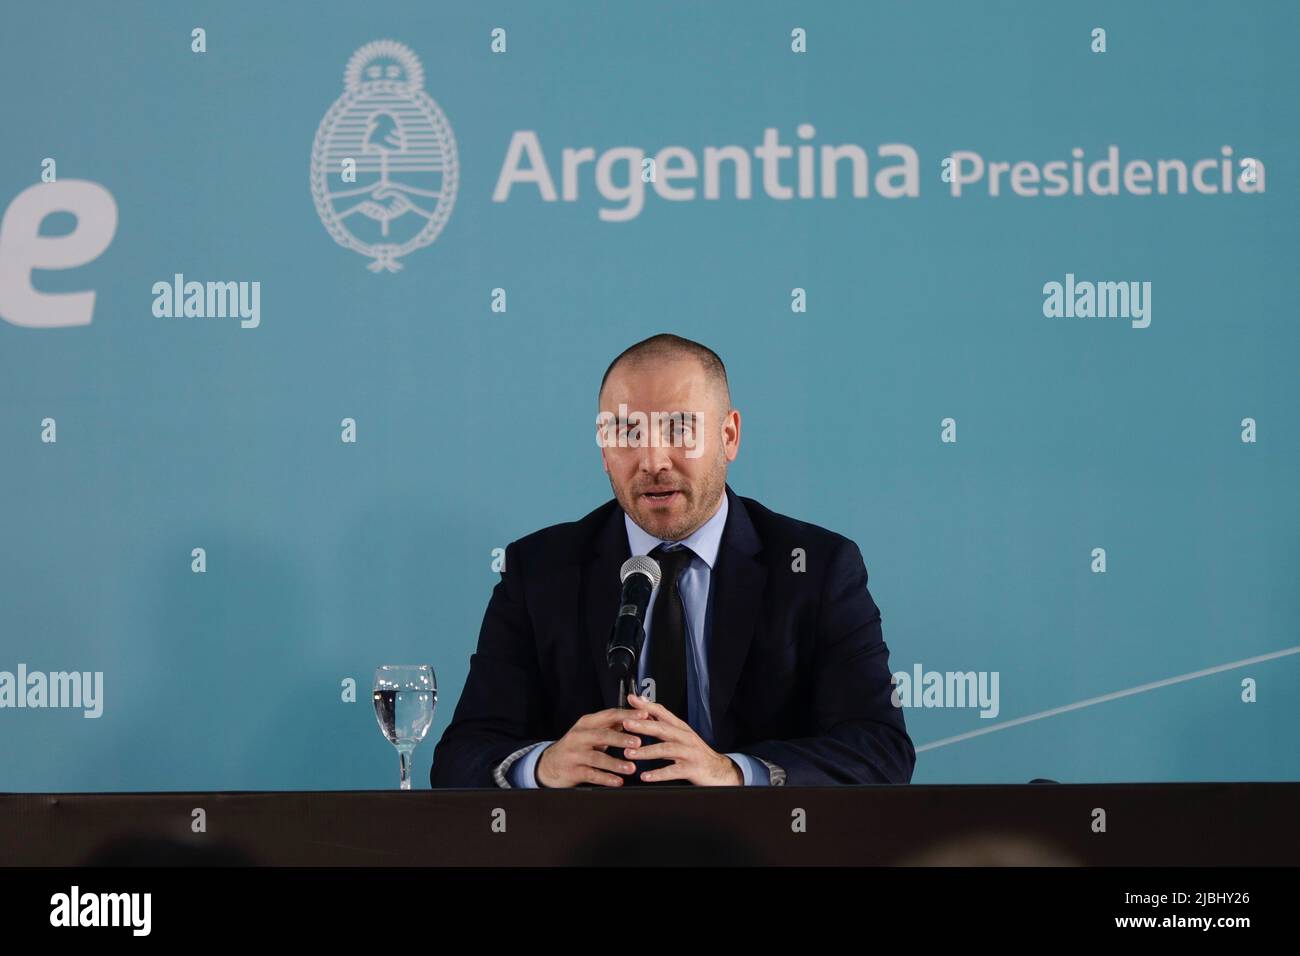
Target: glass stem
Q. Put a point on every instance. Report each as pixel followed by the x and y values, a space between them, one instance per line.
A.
pixel 405 754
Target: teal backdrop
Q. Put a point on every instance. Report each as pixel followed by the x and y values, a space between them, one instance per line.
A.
pixel 474 427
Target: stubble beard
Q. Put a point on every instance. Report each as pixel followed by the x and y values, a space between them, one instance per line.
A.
pixel 700 507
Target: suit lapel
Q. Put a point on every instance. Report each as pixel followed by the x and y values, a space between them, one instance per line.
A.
pixel 600 594
pixel 738 580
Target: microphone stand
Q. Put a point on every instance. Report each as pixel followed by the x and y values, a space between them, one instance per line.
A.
pixel 627 685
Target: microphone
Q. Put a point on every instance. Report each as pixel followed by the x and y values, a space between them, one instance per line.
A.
pixel 640 575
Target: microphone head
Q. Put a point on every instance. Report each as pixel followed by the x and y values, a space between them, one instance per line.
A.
pixel 641 564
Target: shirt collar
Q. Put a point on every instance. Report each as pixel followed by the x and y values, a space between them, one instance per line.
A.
pixel 704 541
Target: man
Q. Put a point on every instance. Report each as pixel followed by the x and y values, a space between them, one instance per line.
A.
pixel 763 652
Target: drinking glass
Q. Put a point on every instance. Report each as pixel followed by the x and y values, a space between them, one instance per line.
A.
pixel 405 695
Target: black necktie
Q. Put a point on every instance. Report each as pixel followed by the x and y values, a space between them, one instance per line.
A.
pixel 667 663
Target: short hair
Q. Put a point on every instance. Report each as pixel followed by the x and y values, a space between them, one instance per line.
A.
pixel 664 346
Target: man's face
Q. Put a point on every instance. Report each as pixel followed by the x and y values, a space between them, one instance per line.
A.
pixel 670 477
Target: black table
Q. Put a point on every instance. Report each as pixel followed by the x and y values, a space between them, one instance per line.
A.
pixel 1220 824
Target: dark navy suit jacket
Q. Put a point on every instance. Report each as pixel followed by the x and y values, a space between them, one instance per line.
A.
pixel 799 671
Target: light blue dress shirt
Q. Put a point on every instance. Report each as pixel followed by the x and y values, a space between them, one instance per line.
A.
pixel 695 587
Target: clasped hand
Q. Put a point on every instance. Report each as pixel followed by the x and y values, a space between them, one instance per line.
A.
pixel 579 756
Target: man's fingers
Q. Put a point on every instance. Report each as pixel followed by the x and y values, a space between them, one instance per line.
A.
pixel 659 729
pixel 674 771
pixel 657 711
pixel 670 751
pixel 600 718
pixel 610 738
pixel 591 775
pixel 592 766
pixel 613 717
pixel 604 761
